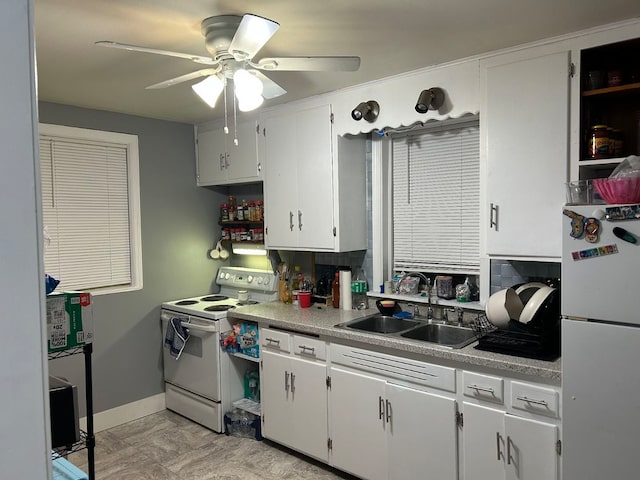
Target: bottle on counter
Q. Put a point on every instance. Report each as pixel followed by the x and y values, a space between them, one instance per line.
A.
pixel 335 290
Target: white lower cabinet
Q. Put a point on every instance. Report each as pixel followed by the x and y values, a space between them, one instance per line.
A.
pixel 294 400
pixel 513 441
pixel 498 445
pixel 383 430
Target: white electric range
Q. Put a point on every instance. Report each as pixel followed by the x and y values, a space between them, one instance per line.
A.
pixel 198 385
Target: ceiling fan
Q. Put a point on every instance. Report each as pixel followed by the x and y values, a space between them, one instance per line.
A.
pixel 232 42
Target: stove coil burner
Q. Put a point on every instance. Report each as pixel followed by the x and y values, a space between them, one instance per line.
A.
pixel 187 302
pixel 219 308
pixel 214 298
pixel 247 302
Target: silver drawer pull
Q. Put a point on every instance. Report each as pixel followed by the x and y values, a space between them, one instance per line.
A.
pixel 481 389
pixel 498 446
pixel 304 349
pixel 273 340
pixel 531 400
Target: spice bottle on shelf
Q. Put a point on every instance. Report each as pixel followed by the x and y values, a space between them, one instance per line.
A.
pixel 224 212
pixel 232 208
pixel 335 291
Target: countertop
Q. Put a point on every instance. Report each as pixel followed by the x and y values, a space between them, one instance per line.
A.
pixel 321 321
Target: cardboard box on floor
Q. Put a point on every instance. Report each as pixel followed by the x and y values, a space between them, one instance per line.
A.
pixel 69 320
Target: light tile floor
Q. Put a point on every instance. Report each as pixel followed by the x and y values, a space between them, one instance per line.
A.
pixel 167 446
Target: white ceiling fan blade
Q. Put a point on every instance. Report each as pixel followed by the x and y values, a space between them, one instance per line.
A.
pixel 183 78
pixel 309 64
pixel 135 48
pixel 253 32
pixel 270 88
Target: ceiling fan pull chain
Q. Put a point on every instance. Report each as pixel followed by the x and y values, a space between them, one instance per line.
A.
pixel 226 127
pixel 235 119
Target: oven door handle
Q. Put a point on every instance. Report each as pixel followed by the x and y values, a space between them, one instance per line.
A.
pixel 200 328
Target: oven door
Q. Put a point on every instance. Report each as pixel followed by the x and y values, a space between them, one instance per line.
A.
pixel 198 368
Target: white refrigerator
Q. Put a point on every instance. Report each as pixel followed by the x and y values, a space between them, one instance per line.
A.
pixel 601 347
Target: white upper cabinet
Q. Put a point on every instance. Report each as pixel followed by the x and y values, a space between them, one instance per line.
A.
pixel 524 123
pixel 221 162
pixel 314 184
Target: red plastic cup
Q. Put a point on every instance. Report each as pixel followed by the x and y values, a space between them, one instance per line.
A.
pixel 305 299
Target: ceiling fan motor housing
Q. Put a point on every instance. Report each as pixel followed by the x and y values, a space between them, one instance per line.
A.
pixel 218 32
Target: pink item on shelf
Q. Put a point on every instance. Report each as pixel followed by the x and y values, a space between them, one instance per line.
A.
pixel 618 190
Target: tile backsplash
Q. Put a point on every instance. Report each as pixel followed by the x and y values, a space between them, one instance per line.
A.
pixel 506 273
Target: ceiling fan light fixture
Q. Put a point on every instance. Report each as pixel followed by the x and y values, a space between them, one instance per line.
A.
pixel 209 89
pixel 248 90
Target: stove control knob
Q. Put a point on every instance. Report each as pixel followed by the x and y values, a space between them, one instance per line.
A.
pixel 259 280
pixel 250 279
pixel 226 276
pixel 221 275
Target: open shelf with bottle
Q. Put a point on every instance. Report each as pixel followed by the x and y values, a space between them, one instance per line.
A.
pixel 610 100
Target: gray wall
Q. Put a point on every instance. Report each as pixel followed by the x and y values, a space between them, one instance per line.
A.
pixel 179 225
pixel 24 402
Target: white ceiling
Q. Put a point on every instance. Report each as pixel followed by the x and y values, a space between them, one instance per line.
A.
pixel 390 37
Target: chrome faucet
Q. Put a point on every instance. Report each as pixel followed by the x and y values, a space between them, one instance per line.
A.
pixel 427 281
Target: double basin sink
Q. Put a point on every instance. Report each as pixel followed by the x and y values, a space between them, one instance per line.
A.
pixel 413 329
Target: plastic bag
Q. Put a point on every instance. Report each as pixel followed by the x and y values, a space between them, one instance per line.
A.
pixel 629 167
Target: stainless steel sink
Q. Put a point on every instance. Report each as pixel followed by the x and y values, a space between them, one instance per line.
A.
pixel 450 335
pixel 381 324
pixel 413 329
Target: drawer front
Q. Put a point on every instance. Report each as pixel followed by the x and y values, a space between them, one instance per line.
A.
pixel 309 347
pixel 275 340
pixel 483 387
pixel 390 366
pixel 535 399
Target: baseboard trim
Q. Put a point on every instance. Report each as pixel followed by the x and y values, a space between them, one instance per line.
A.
pixel 125 413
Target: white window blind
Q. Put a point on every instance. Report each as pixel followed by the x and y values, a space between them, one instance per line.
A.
pixel 86 213
pixel 436 199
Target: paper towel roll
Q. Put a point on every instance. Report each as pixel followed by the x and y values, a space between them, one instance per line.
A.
pixel 345 289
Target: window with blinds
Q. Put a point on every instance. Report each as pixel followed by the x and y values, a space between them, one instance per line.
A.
pixel 90 208
pixel 436 199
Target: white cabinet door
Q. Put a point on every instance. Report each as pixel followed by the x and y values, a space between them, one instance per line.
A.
pixel 531 449
pixel 357 420
pixel 280 182
pixel 211 157
pixel 524 140
pixel 294 403
pixel 421 433
pixel 299 180
pixel 315 179
pixel 276 397
pixel 242 159
pixel 221 162
pixel 483 443
pixel 498 445
pixel 309 413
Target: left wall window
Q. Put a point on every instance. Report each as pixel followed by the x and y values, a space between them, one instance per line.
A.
pixel 91 209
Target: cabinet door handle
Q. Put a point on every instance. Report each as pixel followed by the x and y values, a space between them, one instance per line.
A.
pixel 493 216
pixel 226 162
pixel 293 383
pixel 286 381
pixel 508 450
pixel 388 408
pixel 259 167
pixel 299 220
pixel 291 221
pixel 380 408
pixel 222 161
pixel 480 389
pixel 273 341
pixel 498 445
pixel 542 403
